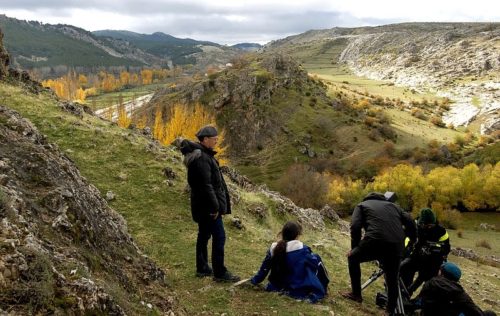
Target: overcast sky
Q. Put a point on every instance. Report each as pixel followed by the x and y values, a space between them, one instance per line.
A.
pixel 237 21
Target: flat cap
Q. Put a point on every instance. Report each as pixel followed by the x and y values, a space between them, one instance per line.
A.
pixel 207 131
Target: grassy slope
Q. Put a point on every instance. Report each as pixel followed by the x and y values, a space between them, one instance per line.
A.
pixel 159 219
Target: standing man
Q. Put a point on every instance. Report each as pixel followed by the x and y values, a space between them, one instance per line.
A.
pixel 384 237
pixel 209 201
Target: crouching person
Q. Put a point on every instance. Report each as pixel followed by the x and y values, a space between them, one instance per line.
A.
pixel 443 295
pixel 294 269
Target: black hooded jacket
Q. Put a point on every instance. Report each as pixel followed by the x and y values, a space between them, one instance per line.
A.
pixel 382 220
pixel 441 296
pixel 209 192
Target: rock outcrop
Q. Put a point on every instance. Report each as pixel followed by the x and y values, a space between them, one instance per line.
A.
pixel 249 99
pixel 63 250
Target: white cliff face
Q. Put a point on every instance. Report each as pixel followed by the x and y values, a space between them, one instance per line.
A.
pixel 462 64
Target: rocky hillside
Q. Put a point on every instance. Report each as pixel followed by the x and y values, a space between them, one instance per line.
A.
pixel 460 61
pixel 55 208
pixel 243 96
pixel 261 102
pixel 63 250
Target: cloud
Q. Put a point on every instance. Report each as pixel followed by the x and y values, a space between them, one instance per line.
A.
pixel 232 21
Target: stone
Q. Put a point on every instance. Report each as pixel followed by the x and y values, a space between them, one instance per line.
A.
pixel 236 222
pixel 169 173
pixel 329 213
pixel 110 196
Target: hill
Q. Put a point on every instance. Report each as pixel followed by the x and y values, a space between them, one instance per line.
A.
pixel 275 115
pixel 180 51
pixel 454 60
pixel 156 209
pixel 53 48
pixel 32 45
pixel 249 47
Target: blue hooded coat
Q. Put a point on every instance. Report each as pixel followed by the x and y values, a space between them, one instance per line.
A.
pixel 307 277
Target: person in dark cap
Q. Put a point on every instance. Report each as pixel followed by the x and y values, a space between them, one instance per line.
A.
pixel 443 295
pixel 430 251
pixel 209 202
pixel 386 226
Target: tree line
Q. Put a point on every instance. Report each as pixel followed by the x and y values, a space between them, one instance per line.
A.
pixel 78 86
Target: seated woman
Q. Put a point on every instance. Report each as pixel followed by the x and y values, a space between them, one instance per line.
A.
pixel 295 270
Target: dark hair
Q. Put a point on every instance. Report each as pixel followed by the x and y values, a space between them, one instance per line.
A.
pixel 291 230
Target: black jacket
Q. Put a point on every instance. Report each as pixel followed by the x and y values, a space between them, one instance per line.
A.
pixel 209 192
pixel 432 242
pixel 441 296
pixel 382 221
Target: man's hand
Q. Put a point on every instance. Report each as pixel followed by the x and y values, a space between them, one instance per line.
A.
pixel 349 253
pixel 214 215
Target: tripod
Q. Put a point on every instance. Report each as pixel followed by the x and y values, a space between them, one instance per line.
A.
pixel 381 299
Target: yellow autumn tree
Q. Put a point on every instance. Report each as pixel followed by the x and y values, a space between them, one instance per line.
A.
pixel 344 193
pixel 444 186
pixel 472 186
pixel 491 188
pixel 82 80
pixel 124 119
pixel 147 76
pixel 80 95
pixel 184 121
pixel 124 78
pixel 408 182
pixel 159 126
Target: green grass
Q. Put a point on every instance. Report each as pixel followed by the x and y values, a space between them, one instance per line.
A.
pixel 159 219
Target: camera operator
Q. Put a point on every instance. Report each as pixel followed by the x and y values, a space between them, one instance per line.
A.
pixel 383 222
pixel 443 295
pixel 429 253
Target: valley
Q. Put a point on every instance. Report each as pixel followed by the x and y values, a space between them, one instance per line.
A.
pixel 312 116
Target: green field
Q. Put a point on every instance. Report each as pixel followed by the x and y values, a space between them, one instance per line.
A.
pixel 108 99
pixel 159 219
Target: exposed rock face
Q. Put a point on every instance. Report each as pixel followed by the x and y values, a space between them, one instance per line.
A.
pixel 460 61
pixel 63 250
pixel 431 57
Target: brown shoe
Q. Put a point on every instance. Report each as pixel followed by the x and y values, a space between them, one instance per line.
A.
pixel 349 295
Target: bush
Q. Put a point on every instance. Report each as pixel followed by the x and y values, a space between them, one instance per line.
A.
pixel 483 243
pixel 436 120
pixel 304 186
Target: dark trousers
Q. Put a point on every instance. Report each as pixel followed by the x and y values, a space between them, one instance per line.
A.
pixel 426 266
pixel 210 228
pixel 389 255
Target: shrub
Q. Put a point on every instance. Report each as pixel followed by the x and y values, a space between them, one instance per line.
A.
pixel 419 114
pixel 436 120
pixel 387 131
pixel 483 243
pixel 304 186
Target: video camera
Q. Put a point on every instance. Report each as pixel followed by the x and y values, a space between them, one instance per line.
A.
pixel 390 196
